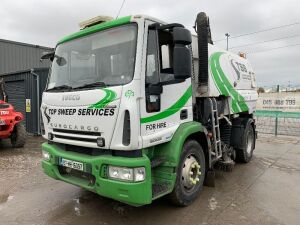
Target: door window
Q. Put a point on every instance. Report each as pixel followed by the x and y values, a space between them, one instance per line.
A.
pixel 152 76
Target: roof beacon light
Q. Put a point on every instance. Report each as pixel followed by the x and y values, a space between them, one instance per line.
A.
pixel 243 55
pixel 94 21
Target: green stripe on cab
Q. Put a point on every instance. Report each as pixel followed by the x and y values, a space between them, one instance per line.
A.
pixel 171 110
pixel 96 28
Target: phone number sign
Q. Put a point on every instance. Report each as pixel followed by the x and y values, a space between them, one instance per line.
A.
pixel 283 101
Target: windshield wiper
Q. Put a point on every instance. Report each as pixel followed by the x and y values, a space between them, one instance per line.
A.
pixel 62 87
pixel 91 85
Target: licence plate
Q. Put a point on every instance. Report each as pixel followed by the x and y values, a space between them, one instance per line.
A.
pixel 2 122
pixel 71 164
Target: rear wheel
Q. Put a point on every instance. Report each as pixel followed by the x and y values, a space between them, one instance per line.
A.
pixel 190 174
pixel 245 155
pixel 18 137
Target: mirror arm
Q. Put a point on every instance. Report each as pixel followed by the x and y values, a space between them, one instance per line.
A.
pixel 157 26
pixel 48 55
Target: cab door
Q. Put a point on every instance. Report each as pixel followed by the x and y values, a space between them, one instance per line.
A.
pixel 166 100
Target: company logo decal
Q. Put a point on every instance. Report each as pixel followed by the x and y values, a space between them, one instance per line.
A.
pixel 79 112
pixel 224 86
pixel 108 98
pixel 46 115
pixel 155 139
pixel 73 127
pixel 100 108
pixel 129 94
pixel 235 69
pixel 4 113
pixel 71 97
pixel 240 70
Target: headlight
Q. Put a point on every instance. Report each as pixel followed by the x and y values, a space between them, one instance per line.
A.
pixel 46 155
pixel 128 174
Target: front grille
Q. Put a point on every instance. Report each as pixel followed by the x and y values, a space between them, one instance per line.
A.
pixel 76 138
pixel 77 132
pixel 4 106
pixel 4 127
pixel 87 151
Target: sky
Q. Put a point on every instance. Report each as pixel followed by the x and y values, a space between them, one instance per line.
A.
pixel 44 22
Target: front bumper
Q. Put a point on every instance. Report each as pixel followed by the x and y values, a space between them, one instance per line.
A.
pixel 7 129
pixel 139 193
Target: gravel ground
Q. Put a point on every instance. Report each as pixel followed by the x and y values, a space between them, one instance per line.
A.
pixel 265 191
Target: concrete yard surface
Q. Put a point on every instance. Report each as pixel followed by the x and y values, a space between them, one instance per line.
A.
pixel 265 191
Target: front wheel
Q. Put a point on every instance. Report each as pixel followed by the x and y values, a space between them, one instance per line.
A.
pixel 18 137
pixel 190 174
pixel 245 155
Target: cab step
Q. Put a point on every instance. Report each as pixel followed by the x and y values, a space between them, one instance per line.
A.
pixel 159 188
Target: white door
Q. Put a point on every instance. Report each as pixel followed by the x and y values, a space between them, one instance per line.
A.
pixel 166 102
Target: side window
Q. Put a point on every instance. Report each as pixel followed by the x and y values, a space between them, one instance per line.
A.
pixel 166 56
pixel 63 68
pixel 152 73
pixel 152 63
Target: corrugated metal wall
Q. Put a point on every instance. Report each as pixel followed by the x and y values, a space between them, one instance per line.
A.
pixel 16 56
pixel 15 89
pixel 29 81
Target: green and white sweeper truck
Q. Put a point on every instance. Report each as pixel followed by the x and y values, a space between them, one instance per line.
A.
pixel 136 109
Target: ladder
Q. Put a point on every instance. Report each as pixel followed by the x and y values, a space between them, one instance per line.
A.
pixel 217 147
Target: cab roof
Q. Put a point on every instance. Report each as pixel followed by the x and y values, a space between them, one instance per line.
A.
pixel 96 28
pixel 106 25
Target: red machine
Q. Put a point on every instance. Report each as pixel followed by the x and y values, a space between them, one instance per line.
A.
pixel 10 126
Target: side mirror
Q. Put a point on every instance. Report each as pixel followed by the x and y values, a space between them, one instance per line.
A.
pixel 182 56
pixel 182 62
pixel 47 55
pixel 182 36
pixel 61 61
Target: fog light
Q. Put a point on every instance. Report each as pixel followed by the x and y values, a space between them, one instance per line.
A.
pixel 100 142
pixel 46 155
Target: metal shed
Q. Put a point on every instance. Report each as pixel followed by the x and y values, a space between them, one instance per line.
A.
pixel 17 56
pixel 24 90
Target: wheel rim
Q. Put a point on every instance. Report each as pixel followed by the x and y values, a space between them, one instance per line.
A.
pixel 191 173
pixel 250 142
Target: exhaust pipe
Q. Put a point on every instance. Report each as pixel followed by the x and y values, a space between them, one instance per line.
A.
pixel 3 95
pixel 202 28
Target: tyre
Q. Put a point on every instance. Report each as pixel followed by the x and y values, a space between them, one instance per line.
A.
pixel 190 174
pixel 18 137
pixel 245 154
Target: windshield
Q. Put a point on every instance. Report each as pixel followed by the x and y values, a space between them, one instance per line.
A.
pixel 106 58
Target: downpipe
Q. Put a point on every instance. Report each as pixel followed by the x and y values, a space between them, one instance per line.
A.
pixel 37 99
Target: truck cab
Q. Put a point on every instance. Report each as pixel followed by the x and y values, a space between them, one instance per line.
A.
pixel 119 108
pixel 101 85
